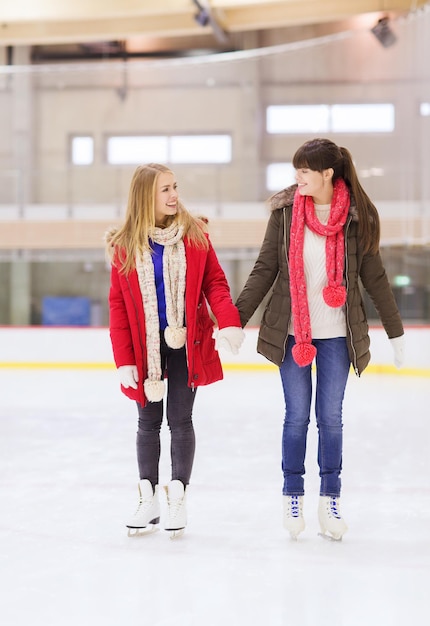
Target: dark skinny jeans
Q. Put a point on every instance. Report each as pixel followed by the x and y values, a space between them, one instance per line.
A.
pixel 179 409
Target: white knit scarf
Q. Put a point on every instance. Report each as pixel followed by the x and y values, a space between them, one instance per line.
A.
pixel 174 270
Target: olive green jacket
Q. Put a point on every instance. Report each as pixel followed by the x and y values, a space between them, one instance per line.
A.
pixel 271 271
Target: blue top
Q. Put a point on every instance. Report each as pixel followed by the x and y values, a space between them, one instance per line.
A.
pixel 157 259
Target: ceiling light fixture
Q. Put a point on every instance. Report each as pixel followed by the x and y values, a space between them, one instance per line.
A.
pixel 205 17
pixel 383 32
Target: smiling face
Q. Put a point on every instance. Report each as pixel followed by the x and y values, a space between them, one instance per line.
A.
pixel 166 198
pixel 316 184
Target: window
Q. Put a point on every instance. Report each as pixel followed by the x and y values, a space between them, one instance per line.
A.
pixel 362 118
pixel 425 109
pixel 200 149
pixel 128 150
pixel 134 150
pixel 336 118
pixel 298 119
pixel 279 176
pixel 82 150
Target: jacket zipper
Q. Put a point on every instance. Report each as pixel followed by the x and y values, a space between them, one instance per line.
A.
pixel 288 266
pixel 348 325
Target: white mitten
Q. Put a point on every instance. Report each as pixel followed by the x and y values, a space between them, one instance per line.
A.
pixel 230 338
pixel 398 344
pixel 128 376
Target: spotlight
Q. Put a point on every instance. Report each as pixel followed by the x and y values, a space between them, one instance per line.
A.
pixel 383 32
pixel 205 17
pixel 202 16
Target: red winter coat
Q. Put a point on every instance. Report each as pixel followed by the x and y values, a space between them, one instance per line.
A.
pixel 205 280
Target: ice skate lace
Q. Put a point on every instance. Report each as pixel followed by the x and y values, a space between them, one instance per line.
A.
pixel 143 505
pixel 294 506
pixel 333 508
pixel 175 507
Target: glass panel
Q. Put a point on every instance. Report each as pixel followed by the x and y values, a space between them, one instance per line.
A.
pixel 298 119
pixel 362 118
pixel 279 176
pixel 136 150
pixel 425 109
pixel 82 150
pixel 200 149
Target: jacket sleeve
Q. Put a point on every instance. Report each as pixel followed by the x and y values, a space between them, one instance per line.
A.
pixel 264 272
pixel 376 283
pixel 217 292
pixel 119 325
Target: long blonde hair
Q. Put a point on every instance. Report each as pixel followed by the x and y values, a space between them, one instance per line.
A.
pixel 133 236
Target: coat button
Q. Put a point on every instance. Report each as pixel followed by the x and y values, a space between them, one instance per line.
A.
pixel 195 377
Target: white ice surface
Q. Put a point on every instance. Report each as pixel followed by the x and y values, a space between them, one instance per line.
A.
pixel 68 483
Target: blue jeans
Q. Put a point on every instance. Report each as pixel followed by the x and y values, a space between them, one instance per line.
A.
pixel 332 369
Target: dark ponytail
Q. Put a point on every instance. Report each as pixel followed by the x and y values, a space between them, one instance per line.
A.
pixel 369 228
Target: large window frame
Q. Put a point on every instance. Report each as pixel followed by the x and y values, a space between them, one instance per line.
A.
pixel 171 149
pixel 330 118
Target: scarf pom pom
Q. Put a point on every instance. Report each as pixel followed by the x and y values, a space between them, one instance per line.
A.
pixel 304 353
pixel 175 337
pixel 154 390
pixel 334 296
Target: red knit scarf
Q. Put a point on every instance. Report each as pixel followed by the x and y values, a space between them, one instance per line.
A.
pixel 334 293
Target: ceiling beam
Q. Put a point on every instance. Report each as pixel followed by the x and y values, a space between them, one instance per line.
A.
pixel 25 22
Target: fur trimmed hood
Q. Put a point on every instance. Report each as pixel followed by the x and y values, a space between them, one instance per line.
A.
pixel 108 236
pixel 285 198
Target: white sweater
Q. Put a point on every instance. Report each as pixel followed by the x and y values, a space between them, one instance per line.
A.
pixel 326 322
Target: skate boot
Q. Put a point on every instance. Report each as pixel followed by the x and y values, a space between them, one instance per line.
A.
pixel 293 515
pixel 332 524
pixel 147 514
pixel 177 511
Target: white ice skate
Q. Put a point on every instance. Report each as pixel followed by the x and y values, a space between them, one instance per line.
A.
pixel 333 526
pixel 293 515
pixel 147 515
pixel 176 509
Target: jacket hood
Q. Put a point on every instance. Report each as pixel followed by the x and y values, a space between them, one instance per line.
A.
pixel 109 234
pixel 285 198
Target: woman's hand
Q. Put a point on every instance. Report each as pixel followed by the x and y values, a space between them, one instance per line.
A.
pixel 231 338
pixel 128 376
pixel 398 345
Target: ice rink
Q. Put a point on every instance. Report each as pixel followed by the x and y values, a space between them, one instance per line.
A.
pixel 68 483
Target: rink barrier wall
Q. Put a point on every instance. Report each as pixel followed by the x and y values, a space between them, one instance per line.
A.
pixel 90 348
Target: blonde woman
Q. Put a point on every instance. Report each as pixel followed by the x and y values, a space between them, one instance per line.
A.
pixel 164 272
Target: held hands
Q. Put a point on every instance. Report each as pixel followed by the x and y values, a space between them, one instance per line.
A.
pixel 230 338
pixel 398 345
pixel 128 376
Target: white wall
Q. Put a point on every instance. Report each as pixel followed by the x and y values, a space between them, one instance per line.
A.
pixel 90 348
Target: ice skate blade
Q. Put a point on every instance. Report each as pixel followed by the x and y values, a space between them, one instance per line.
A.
pixel 142 532
pixel 330 537
pixel 175 533
pixel 294 536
